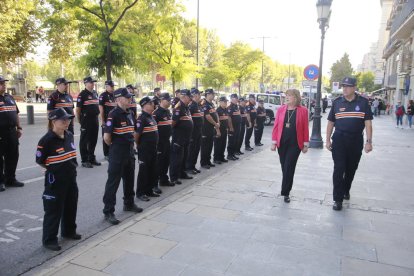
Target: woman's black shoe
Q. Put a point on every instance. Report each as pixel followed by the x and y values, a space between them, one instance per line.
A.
pixel 287 199
pixel 337 206
pixel 53 247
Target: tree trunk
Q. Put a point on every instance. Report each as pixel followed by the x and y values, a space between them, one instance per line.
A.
pixel 173 81
pixel 108 58
pixel 239 88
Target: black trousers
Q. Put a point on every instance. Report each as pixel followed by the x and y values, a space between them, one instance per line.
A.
pixel 242 134
pixel 220 144
pixel 105 147
pixel 258 130
pixel 193 149
pixel 88 138
pixel 163 158
pixel 288 156
pixel 9 154
pixel 121 166
pixel 148 172
pixel 60 203
pixel 179 154
pixel 249 132
pixel 234 138
pixel 346 154
pixel 207 142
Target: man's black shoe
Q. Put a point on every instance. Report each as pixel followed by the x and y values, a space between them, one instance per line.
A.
pixel 157 190
pixel 95 163
pixel 75 236
pixel 232 158
pixel 191 171
pixel 239 153
pixel 87 165
pixel 205 167
pixel 197 171
pixel 211 165
pixel 111 219
pixel 286 199
pixel 143 197
pixel 168 183
pixel 347 196
pixel 153 194
pixel 14 183
pixel 133 208
pixel 186 177
pixel 177 182
pixel 337 206
pixel 218 162
pixel 2 187
pixel 53 246
pixel 248 148
pixel 258 144
pixel 224 160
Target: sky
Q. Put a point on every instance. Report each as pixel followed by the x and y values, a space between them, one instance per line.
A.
pixel 292 27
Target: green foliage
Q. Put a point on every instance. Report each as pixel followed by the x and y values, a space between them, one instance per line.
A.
pixel 216 77
pixel 365 81
pixel 341 68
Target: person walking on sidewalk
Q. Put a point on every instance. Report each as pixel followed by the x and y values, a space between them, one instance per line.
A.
pixel 260 120
pixel 375 105
pixel 399 113
pixel 10 133
pixel 410 112
pixel 195 142
pixel 87 111
pixel 106 104
pixel 251 118
pixel 119 136
pixel 349 115
pixel 57 154
pixel 290 136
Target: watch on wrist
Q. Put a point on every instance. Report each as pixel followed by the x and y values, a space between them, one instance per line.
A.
pixel 369 141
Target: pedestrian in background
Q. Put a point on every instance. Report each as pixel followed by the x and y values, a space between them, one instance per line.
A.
pixel 260 120
pixel 399 113
pixel 375 105
pixel 106 104
pixel 324 104
pixel 57 154
pixel 349 115
pixel 290 136
pixel 410 112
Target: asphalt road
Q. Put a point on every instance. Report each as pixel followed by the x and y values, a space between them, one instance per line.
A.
pixel 21 209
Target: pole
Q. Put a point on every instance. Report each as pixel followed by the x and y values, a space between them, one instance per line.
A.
pixel 289 73
pixel 316 138
pixel 198 30
pixel 262 84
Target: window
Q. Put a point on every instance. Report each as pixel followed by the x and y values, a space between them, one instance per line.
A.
pixel 274 100
pixel 263 97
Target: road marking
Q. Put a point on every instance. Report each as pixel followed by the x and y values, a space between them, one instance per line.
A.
pixel 12 222
pixel 10 211
pixel 26 168
pixel 34 229
pixel 33 179
pixel 14 229
pixel 29 216
pixel 11 236
pixel 6 240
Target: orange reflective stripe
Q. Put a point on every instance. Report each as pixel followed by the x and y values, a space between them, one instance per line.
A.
pixel 123 130
pixel 90 102
pixel 150 129
pixel 185 118
pixel 165 123
pixel 197 115
pixel 223 117
pixel 64 105
pixel 60 158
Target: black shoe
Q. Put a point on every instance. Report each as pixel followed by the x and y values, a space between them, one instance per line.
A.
pixel 205 167
pixel 337 206
pixel 186 177
pixel 133 208
pixel 211 165
pixel 167 183
pixel 197 171
pixel 224 160
pixel 143 197
pixel 2 187
pixel 248 148
pixel 191 171
pixel 258 144
pixel 218 162
pixel 287 199
pixel 14 183
pixel 347 196
pixel 232 157
pixel 157 190
pixel 53 247
pixel 153 194
pixel 87 165
pixel 177 182
pixel 111 219
pixel 239 153
pixel 75 236
pixel 95 163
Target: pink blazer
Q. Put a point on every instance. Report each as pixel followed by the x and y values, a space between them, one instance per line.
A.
pixel 302 125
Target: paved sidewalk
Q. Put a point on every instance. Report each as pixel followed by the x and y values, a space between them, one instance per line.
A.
pixel 234 223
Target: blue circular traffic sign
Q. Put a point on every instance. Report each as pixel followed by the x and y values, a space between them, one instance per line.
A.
pixel 311 72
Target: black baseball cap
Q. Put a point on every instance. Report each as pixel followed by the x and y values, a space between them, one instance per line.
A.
pixel 223 99
pixel 2 79
pixel 59 114
pixel 261 101
pixel 131 86
pixel 122 92
pixel 62 80
pixel 242 99
pixel 349 81
pixel 165 96
pixel 252 96
pixel 234 96
pixel 145 100
pixel 209 91
pixel 156 89
pixel 110 83
pixel 185 92
pixel 194 91
pixel 89 79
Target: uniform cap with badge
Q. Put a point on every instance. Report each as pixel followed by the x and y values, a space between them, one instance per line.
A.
pixel 185 92
pixel 122 92
pixel 242 99
pixel 223 99
pixel 110 83
pixel 252 96
pixel 62 80
pixel 209 91
pixel 234 96
pixel 349 81
pixel 2 79
pixel 165 96
pixel 145 101
pixel 195 91
pixel 130 86
pixel 89 79
pixel 59 114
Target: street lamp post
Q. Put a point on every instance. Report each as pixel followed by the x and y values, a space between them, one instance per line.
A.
pixel 324 12
pixel 198 31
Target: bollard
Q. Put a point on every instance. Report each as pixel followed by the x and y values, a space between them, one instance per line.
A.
pixel 30 115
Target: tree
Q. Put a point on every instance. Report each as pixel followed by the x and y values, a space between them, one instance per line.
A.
pixel 341 68
pixel 216 77
pixel 242 61
pixel 365 81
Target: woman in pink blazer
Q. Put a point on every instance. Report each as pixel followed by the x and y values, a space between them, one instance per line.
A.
pixel 290 136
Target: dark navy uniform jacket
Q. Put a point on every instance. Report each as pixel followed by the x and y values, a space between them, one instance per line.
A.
pixel 261 113
pixel 8 111
pixel 209 108
pixel 183 123
pixel 349 116
pixel 121 124
pixel 58 100
pixel 251 109
pixel 243 114
pixel 156 102
pixel 196 114
pixel 223 117
pixel 107 101
pixel 163 118
pixel 88 103
pixel 146 126
pixel 57 154
pixel 234 113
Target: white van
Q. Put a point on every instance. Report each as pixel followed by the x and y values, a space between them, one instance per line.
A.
pixel 272 102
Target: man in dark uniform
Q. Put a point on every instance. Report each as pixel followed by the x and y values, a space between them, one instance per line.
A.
pixel 349 115
pixel 61 98
pixel 87 111
pixel 236 120
pixel 324 104
pixel 211 128
pixel 119 136
pixel 146 138
pixel 133 105
pixel 162 116
pixel 251 119
pixel 176 97
pixel 244 123
pixel 182 124
pixel 106 104
pixel 10 132
pixel 157 97
pixel 225 125
pixel 260 120
pixel 195 142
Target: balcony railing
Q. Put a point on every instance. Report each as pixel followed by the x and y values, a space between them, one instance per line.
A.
pixel 401 14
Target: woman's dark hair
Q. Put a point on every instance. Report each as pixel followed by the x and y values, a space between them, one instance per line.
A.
pixel 50 125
